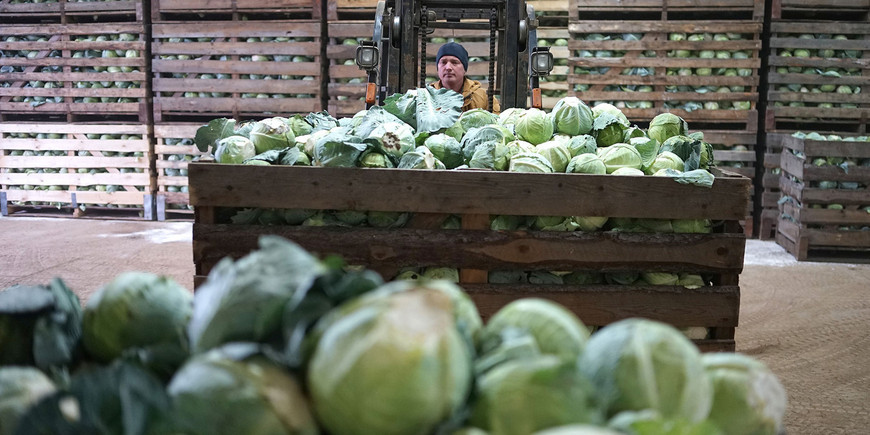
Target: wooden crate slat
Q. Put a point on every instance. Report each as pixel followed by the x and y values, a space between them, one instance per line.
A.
pixel 489 250
pixel 515 193
pixel 653 26
pixel 238 85
pixel 45 179
pixel 602 306
pixel 82 197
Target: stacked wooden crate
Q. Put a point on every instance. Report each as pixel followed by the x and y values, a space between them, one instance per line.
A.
pixel 696 59
pixel 241 59
pixel 699 60
pixel 75 168
pixel 238 68
pixel 825 204
pixel 71 67
pixel 74 116
pixel 432 197
pixel 818 80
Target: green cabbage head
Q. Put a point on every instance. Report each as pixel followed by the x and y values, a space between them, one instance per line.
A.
pixel 228 390
pixel 234 149
pixel 620 155
pixel 665 160
pixel 667 125
pixel 530 162
pixel 555 329
pixel 571 116
pixel 534 126
pixel 586 164
pixel 390 363
pixel 582 144
pixel 639 364
pixel 556 153
pixel 136 310
pixel 748 399
pixel 446 149
pixel 20 388
pixel 272 133
pixel 525 395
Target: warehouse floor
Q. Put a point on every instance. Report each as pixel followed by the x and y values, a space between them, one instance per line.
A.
pixel 810 322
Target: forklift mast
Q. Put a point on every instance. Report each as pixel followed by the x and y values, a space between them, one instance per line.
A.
pixel 395 58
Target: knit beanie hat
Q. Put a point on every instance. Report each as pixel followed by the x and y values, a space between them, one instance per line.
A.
pixel 453 49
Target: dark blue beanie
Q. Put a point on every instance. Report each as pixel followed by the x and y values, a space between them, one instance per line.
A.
pixel 453 49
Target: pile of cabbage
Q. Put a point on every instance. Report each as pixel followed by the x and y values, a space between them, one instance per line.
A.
pixel 587 64
pixel 844 164
pixel 833 55
pixel 111 72
pixel 281 342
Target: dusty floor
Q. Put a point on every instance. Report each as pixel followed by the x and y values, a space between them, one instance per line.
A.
pixel 808 321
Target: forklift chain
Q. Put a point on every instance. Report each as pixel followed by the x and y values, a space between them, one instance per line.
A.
pixel 493 25
pixel 424 22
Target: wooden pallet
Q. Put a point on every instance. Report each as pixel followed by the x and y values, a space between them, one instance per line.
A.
pixel 206 69
pixel 798 97
pixel 644 77
pixel 60 54
pixel 222 10
pixel 72 165
pixel 68 11
pixel 841 10
pixel 173 150
pixel 808 222
pixel 474 249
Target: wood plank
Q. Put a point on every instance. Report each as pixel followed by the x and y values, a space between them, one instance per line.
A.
pixel 487 250
pixel 236 67
pixel 73 162
pixel 119 145
pixel 717 306
pixel 470 191
pixel 25 127
pixel 237 29
pixel 693 26
pixel 241 48
pixel 74 179
pixel 235 85
pixel 82 197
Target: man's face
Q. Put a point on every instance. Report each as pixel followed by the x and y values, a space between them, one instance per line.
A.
pixel 451 72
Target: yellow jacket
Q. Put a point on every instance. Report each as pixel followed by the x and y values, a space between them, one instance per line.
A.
pixel 474 95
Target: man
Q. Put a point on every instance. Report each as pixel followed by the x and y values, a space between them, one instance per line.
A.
pixel 452 61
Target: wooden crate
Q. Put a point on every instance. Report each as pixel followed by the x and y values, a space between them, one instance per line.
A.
pixel 71 165
pixel 173 150
pixel 68 11
pixel 475 249
pixel 682 9
pixel 797 93
pixel 735 151
pixel 85 79
pixel 841 10
pixel 810 227
pixel 207 69
pixel 235 9
pixel 769 214
pixel 636 67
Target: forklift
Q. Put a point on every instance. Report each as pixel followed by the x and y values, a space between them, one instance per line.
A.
pixel 395 58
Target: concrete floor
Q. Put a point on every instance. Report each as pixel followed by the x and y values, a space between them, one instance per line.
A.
pixel 808 322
